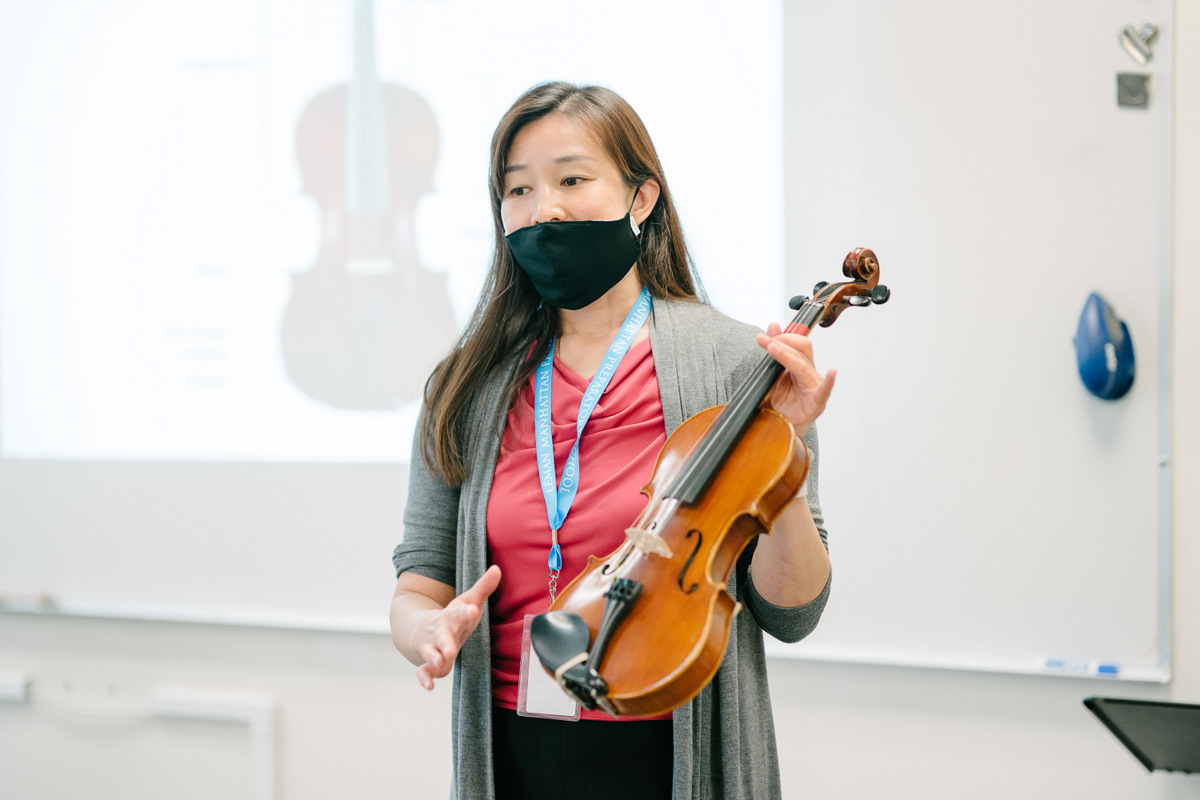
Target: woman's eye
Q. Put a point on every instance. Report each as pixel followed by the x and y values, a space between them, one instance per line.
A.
pixel 572 181
pixel 517 191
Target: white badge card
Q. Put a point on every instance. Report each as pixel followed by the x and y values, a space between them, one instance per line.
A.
pixel 538 694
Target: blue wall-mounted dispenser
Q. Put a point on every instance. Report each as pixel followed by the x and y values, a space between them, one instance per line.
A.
pixel 1104 350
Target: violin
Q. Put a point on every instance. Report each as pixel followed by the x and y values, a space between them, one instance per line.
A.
pixel 643 630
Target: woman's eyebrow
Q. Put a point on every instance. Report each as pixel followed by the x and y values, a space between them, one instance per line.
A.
pixel 559 160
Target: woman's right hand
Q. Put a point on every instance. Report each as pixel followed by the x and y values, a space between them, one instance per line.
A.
pixel 437 633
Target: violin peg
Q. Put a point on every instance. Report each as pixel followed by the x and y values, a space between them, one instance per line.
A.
pixel 880 294
pixel 797 301
pixel 820 285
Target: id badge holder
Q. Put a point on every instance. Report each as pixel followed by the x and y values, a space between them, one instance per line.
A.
pixel 538 694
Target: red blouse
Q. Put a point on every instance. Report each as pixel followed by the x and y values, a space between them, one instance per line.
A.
pixel 616 459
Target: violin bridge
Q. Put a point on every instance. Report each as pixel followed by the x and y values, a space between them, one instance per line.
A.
pixel 649 543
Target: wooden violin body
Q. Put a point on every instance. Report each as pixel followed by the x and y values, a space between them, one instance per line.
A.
pixel 704 542
pixel 643 630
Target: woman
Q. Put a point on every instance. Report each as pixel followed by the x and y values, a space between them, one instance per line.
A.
pixel 590 270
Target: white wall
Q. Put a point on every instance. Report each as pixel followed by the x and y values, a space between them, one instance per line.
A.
pixel 351 721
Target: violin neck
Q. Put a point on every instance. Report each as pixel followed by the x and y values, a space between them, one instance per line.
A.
pixel 710 454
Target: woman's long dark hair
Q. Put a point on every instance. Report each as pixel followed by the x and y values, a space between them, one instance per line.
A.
pixel 510 315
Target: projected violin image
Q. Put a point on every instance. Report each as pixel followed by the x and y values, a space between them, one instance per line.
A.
pixel 365 324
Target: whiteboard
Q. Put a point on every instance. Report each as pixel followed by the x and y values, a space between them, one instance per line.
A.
pixel 985 511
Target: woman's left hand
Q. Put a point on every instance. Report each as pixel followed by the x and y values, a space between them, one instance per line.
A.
pixel 802 392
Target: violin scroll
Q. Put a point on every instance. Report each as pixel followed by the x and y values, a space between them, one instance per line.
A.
pixel 864 288
pixel 860 264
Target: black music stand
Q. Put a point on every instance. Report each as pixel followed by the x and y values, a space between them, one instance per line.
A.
pixel 1163 736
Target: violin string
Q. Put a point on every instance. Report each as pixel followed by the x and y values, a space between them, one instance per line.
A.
pixel 713 446
pixel 731 417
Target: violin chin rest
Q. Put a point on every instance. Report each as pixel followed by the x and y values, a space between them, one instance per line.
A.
pixel 558 637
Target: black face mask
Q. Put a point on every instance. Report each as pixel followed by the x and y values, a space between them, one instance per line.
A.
pixel 573 263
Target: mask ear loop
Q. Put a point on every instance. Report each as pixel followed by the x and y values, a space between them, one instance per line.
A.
pixel 632 222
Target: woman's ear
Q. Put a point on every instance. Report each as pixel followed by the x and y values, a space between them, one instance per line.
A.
pixel 647 198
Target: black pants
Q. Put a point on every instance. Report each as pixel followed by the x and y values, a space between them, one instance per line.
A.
pixel 553 759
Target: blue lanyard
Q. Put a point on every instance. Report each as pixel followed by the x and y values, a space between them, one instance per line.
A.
pixel 558 502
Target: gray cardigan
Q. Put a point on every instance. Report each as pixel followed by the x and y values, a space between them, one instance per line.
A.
pixel 725 737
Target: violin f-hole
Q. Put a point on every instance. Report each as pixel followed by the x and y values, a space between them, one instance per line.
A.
pixel 690 559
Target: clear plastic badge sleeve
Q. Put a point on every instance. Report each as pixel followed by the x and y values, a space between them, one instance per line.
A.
pixel 538 694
